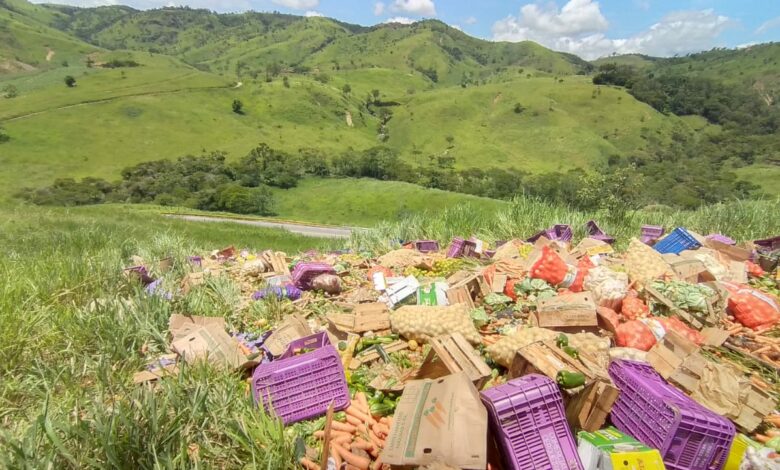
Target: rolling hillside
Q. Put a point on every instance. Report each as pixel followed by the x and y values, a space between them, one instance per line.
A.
pixel 321 83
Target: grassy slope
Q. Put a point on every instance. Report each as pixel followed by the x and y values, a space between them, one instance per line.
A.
pixel 365 202
pixel 25 39
pixel 578 131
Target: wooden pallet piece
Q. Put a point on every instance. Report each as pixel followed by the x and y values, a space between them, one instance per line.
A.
pixel 365 357
pixel 588 409
pixel 451 354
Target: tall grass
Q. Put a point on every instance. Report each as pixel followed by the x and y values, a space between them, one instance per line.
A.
pixel 742 220
pixel 74 331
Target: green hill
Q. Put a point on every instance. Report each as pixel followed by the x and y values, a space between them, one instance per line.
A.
pixel 160 83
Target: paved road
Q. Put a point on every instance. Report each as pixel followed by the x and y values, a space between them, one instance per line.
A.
pixel 308 230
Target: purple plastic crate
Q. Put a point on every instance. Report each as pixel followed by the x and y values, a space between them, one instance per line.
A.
pixel 561 232
pixel 304 273
pixel 302 387
pixel 595 232
pixel 426 246
pixel 456 248
pixel 688 435
pixel 678 240
pixel 529 424
pixel 721 238
pixel 768 244
pixel 140 273
pixel 460 248
pixel 651 233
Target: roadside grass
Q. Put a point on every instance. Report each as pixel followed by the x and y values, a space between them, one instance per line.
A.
pixel 366 202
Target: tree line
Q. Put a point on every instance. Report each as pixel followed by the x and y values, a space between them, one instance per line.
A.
pixel 211 182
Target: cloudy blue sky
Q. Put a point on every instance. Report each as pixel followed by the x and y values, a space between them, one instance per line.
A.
pixel 589 28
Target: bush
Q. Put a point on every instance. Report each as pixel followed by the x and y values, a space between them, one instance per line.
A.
pixel 242 200
pixel 10 91
pixel 70 81
pixel 4 137
pixel 238 106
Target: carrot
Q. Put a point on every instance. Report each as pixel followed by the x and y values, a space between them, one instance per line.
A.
pixel 377 464
pixel 369 447
pixel 339 426
pixel 360 462
pixel 362 401
pixel 333 434
pixel 342 439
pixel 773 432
pixel 351 467
pixel 353 420
pixel 761 438
pixel 378 442
pixel 364 417
pixel 308 464
pixel 334 453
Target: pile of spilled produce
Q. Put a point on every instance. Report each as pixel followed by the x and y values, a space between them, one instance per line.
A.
pixel 521 354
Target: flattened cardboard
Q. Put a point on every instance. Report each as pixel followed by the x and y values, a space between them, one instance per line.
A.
pixel 371 317
pixel 158 371
pixel 182 325
pixel 211 343
pixel 571 310
pixel 441 420
pixel 733 252
pixel 293 327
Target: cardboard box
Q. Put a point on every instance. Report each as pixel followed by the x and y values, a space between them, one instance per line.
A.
pixel 182 325
pixel 610 449
pixel 434 294
pixel 211 343
pixel 451 354
pixel 291 328
pixel 571 311
pixel 441 420
pixel 719 387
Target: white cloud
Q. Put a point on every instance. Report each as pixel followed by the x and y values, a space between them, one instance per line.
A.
pixel 746 45
pixel 379 8
pixel 312 13
pixel 767 25
pixel 579 28
pixel 470 20
pixel 414 7
pixel 642 4
pixel 399 19
pixel 298 4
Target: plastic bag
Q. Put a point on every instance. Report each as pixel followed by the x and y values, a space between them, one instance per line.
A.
pixel 607 286
pixel 751 307
pixel 643 263
pixel 503 351
pixel 674 324
pixel 329 283
pixel 635 334
pixel 550 267
pixel 421 322
pixel 633 308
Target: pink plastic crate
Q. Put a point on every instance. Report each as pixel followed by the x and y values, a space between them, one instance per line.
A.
pixel 560 232
pixel 651 233
pixel 460 247
pixel 426 246
pixel 528 422
pixel 302 387
pixel 721 238
pixel 304 273
pixel 594 231
pixel 688 435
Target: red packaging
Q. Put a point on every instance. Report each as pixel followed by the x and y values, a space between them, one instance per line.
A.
pixel 633 308
pixel 634 334
pixel 751 307
pixel 674 324
pixel 753 269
